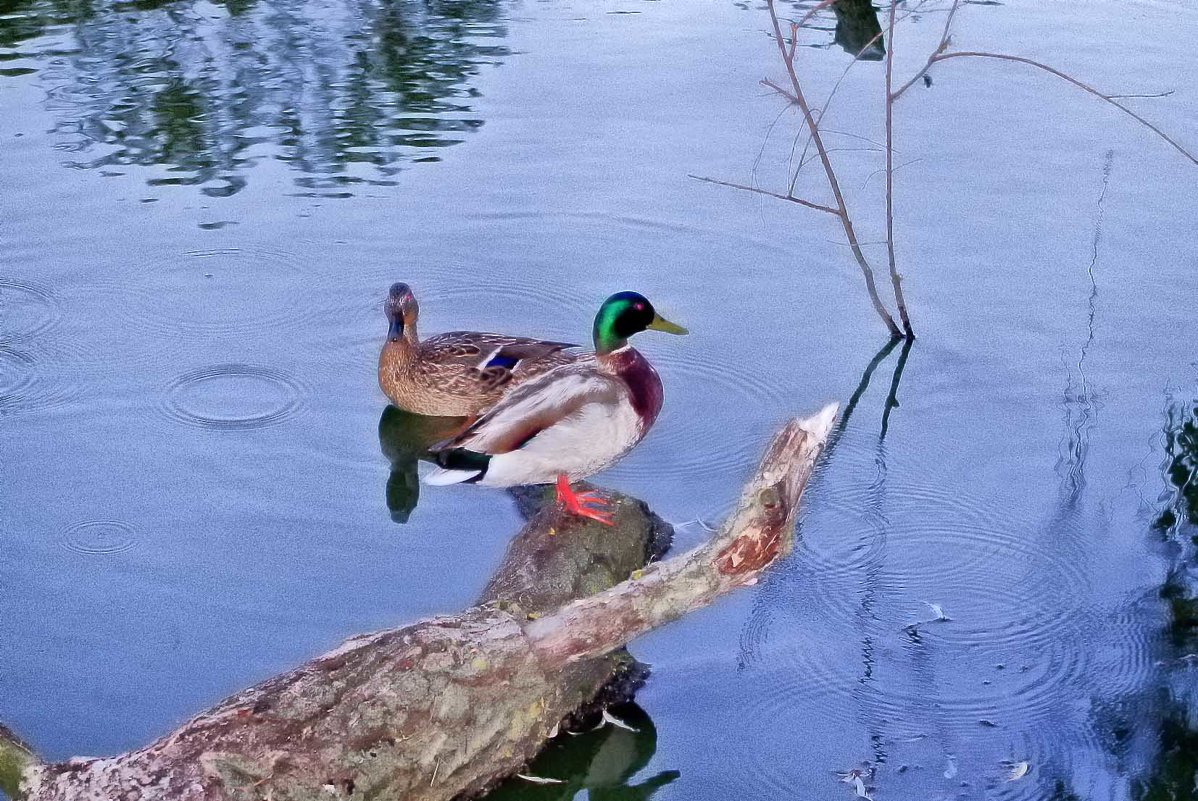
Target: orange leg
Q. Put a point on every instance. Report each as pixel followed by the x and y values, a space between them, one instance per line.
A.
pixel 583 504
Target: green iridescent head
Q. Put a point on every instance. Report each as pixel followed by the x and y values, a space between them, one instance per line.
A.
pixel 625 314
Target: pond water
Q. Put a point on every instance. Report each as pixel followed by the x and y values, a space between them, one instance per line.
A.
pixel 203 205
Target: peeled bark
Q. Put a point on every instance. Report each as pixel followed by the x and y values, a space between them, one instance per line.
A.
pixel 445 707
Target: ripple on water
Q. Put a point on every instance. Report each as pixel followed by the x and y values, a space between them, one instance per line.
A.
pixel 100 537
pixel 998 580
pixel 1015 701
pixel 803 682
pixel 233 397
pixel 25 385
pixel 702 436
pixel 962 688
pixel 809 688
pixel 1053 753
pixel 27 309
pixel 1127 647
pixel 502 306
pixel 228 291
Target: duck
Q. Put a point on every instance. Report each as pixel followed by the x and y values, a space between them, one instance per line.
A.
pixel 458 373
pixel 569 422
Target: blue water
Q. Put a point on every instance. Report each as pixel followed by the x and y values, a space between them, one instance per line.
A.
pixel 203 205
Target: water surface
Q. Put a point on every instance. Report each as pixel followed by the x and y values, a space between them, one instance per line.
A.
pixel 204 203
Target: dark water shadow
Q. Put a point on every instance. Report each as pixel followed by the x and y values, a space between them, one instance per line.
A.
pixel 858 31
pixel 344 93
pixel 867 375
pixel 404 439
pixel 1173 708
pixel 602 762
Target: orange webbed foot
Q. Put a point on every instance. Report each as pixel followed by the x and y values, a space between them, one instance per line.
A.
pixel 584 504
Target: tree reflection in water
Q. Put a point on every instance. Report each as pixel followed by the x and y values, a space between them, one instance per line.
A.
pixel 345 92
pixel 1174 772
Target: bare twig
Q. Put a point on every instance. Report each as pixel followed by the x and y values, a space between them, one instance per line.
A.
pixel 797 97
pixel 1085 87
pixel 1149 94
pixel 823 111
pixel 870 177
pixel 818 7
pixel 827 103
pixel 760 191
pixel 945 41
pixel 896 280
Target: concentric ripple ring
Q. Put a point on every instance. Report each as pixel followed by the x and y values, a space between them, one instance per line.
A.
pixel 214 397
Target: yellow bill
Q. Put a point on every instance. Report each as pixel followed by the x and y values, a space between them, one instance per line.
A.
pixel 662 324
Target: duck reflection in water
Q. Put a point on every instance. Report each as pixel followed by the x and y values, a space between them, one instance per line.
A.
pixel 404 439
pixel 601 761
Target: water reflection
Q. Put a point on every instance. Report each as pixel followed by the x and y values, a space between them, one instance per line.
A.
pixel 1174 770
pixel 404 439
pixel 858 31
pixel 344 92
pixel 601 761
pixel 1152 735
pixel 863 385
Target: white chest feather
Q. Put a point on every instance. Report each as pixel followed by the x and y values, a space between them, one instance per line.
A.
pixel 584 443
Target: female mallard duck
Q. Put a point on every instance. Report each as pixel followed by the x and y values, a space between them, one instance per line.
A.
pixel 460 373
pixel 570 422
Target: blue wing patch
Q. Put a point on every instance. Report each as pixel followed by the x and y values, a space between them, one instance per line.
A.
pixel 502 360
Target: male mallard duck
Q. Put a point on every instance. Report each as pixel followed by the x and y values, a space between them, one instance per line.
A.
pixel 459 373
pixel 570 422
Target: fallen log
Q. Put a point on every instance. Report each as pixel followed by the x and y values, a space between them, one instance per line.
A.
pixel 444 708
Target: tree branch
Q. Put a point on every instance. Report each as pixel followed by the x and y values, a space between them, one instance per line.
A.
pixel 761 530
pixel 1085 87
pixel 760 191
pixel 796 96
pixel 895 279
pixel 945 40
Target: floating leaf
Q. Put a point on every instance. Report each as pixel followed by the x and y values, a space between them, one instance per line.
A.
pixel 615 721
pixel 1018 771
pixel 856 777
pixel 538 779
pixel 938 611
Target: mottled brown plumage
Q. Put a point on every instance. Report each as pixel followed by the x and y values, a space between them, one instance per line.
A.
pixel 459 373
